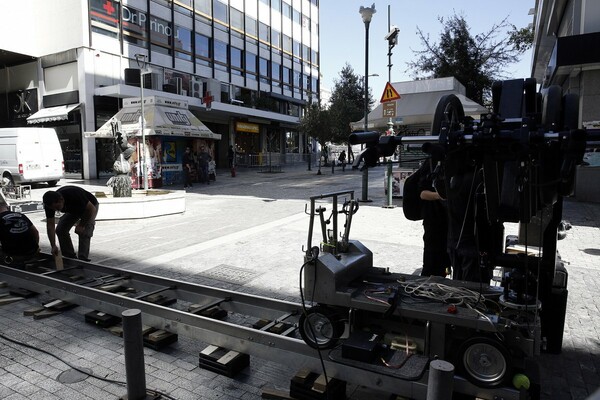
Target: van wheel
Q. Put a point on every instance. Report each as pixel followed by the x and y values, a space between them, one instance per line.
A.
pixel 52 183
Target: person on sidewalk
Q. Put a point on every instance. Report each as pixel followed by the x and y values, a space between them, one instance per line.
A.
pixel 19 238
pixel 186 164
pixel 436 260
pixel 203 160
pixel 80 208
pixel 342 159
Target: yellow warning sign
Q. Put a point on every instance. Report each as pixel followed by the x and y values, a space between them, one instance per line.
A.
pixel 389 94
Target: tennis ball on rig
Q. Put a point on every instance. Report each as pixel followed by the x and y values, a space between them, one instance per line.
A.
pixel 520 381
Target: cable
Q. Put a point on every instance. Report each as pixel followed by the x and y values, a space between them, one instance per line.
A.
pixel 75 367
pixel 315 255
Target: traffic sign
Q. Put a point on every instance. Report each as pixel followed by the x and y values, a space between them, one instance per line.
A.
pixel 389 94
pixel 389 109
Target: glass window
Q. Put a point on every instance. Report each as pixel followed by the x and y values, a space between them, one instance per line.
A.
pixel 287 10
pixel 203 6
pixel 105 17
pixel 276 71
pixel 296 15
pixel 305 52
pixel 225 92
pixel 287 75
pixel 287 43
pixel 251 27
pixel 314 57
pixel 264 32
pixel 297 78
pixel 265 1
pixel 134 31
pixel 236 57
pixel 220 51
pixel 263 66
pixel 250 62
pixel 161 34
pixel 276 5
pixel 314 85
pixel 275 38
pixel 202 46
pixel 237 19
pixel 183 43
pixel 184 7
pixel 296 48
pixel 220 10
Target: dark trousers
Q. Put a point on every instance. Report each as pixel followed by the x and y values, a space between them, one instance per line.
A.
pixel 65 223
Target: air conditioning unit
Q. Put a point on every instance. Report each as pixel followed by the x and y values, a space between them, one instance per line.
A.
pixel 178 83
pixel 196 88
pixel 152 81
pixel 132 77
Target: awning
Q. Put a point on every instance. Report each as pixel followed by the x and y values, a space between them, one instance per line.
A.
pixel 162 116
pixel 417 108
pixel 50 114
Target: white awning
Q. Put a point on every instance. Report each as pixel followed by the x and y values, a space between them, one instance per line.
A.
pixel 50 114
pixel 162 116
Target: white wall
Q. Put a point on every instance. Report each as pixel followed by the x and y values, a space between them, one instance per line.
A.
pixel 41 27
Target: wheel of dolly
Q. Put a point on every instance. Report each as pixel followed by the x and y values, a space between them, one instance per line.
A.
pixel 484 362
pixel 321 327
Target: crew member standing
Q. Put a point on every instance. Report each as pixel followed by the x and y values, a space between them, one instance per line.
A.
pixel 80 208
pixel 18 236
pixel 435 225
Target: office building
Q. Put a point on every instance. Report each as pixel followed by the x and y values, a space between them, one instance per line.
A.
pixel 245 68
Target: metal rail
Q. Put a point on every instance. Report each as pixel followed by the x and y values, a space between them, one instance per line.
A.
pixel 289 350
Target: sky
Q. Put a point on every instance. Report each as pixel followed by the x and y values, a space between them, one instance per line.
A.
pixel 343 34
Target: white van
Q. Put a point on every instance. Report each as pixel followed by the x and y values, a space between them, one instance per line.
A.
pixel 30 155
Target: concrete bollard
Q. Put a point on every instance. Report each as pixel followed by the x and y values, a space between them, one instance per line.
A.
pixel 134 354
pixel 441 380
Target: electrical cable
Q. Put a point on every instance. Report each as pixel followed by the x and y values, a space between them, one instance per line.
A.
pixel 315 253
pixel 80 370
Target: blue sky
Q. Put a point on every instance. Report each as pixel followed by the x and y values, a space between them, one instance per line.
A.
pixel 343 33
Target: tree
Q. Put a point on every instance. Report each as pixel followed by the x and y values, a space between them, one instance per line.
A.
pixel 347 103
pixel 316 123
pixel 476 61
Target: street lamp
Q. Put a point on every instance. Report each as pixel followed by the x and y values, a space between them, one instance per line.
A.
pixel 140 59
pixel 366 14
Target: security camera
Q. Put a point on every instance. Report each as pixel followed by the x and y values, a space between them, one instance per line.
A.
pixel 392 35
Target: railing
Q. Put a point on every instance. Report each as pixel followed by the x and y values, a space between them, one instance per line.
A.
pixel 272 159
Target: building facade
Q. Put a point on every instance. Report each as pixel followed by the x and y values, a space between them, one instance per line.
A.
pixel 245 68
pixel 567 36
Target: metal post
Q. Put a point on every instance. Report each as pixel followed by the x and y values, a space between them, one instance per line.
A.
pixel 142 153
pixel 390 183
pixel 134 354
pixel 367 14
pixel 440 382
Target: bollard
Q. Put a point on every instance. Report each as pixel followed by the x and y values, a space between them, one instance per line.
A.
pixel 441 380
pixel 333 167
pixel 390 184
pixel 365 186
pixel 134 354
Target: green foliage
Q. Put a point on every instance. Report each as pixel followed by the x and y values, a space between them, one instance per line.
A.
pixel 476 61
pixel 347 103
pixel 316 123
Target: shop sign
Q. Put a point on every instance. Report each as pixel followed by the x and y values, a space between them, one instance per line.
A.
pixel 247 127
pixel 178 118
pixel 170 167
pixel 22 104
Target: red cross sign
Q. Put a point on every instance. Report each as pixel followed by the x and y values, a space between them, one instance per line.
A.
pixel 207 99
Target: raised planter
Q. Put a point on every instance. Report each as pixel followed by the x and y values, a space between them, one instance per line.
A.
pixel 142 204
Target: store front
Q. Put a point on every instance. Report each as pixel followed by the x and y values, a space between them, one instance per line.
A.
pixel 169 127
pixel 247 144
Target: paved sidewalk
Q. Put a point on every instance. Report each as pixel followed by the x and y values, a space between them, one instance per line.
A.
pixel 256 223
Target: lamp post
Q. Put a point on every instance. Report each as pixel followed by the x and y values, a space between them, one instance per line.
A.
pixel 366 14
pixel 140 59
